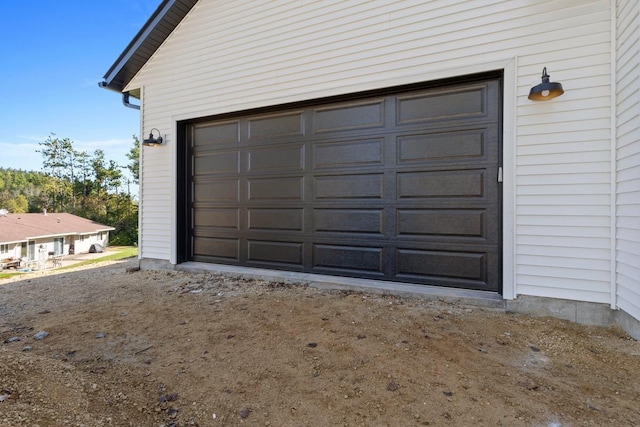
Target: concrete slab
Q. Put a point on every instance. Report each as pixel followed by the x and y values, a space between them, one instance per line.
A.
pixel 461 296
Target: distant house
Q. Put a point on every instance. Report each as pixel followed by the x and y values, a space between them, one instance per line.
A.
pixel 411 142
pixel 26 235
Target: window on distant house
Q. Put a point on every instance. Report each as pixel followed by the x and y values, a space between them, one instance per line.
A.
pixel 4 249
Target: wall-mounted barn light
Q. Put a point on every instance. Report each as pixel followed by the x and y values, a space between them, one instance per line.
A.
pixel 545 90
pixel 151 141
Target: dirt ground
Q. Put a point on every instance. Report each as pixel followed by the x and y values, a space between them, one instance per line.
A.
pixel 175 349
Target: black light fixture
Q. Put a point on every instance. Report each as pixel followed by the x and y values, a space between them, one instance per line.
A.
pixel 151 141
pixel 545 90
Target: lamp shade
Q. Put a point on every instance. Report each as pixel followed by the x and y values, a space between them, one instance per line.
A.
pixel 151 141
pixel 545 90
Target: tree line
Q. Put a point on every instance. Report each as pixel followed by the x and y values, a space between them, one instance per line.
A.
pixel 77 182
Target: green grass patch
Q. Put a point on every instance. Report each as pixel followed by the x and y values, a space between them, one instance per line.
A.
pixel 113 253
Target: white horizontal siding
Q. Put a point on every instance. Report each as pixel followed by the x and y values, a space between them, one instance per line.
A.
pixel 234 55
pixel 563 191
pixel 541 287
pixel 567 178
pixel 293 49
pixel 628 157
pixel 579 220
pixel 156 200
pixel 562 252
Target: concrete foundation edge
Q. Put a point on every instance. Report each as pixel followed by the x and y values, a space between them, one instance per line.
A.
pixel 586 313
pixel 156 264
pixel 630 324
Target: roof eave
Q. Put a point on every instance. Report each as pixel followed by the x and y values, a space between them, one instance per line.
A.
pixel 71 233
pixel 150 37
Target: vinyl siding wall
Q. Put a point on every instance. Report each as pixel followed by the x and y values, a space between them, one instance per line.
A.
pixel 157 199
pixel 83 245
pixel 628 157
pixel 13 250
pixel 233 55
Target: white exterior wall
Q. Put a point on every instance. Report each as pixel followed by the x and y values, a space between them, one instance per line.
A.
pixel 48 245
pixel 628 157
pixel 233 55
pixel 14 250
pixel 82 246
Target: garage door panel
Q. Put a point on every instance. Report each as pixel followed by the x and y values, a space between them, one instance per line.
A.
pixel 401 186
pixel 281 159
pixel 451 183
pixel 276 126
pixel 429 263
pixel 220 218
pixel 455 104
pixel 348 258
pixel 275 188
pixel 222 190
pixel 352 221
pixel 441 222
pixel 289 253
pixel 364 186
pixel 275 219
pixel 216 247
pixel 449 146
pixel 207 136
pixel 349 116
pixel 348 153
pixel 218 162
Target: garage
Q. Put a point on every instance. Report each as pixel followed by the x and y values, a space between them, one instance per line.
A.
pixel 400 185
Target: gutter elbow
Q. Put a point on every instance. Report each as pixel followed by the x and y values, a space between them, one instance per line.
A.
pixel 125 95
pixel 125 101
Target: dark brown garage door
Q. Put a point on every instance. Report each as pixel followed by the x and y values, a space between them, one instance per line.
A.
pixel 400 187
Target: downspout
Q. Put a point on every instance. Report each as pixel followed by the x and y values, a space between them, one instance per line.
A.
pixel 613 155
pixel 140 183
pixel 125 101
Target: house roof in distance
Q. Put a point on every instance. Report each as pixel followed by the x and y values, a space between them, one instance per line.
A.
pixel 152 34
pixel 20 227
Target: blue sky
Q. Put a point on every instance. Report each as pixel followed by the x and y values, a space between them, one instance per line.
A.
pixel 54 53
